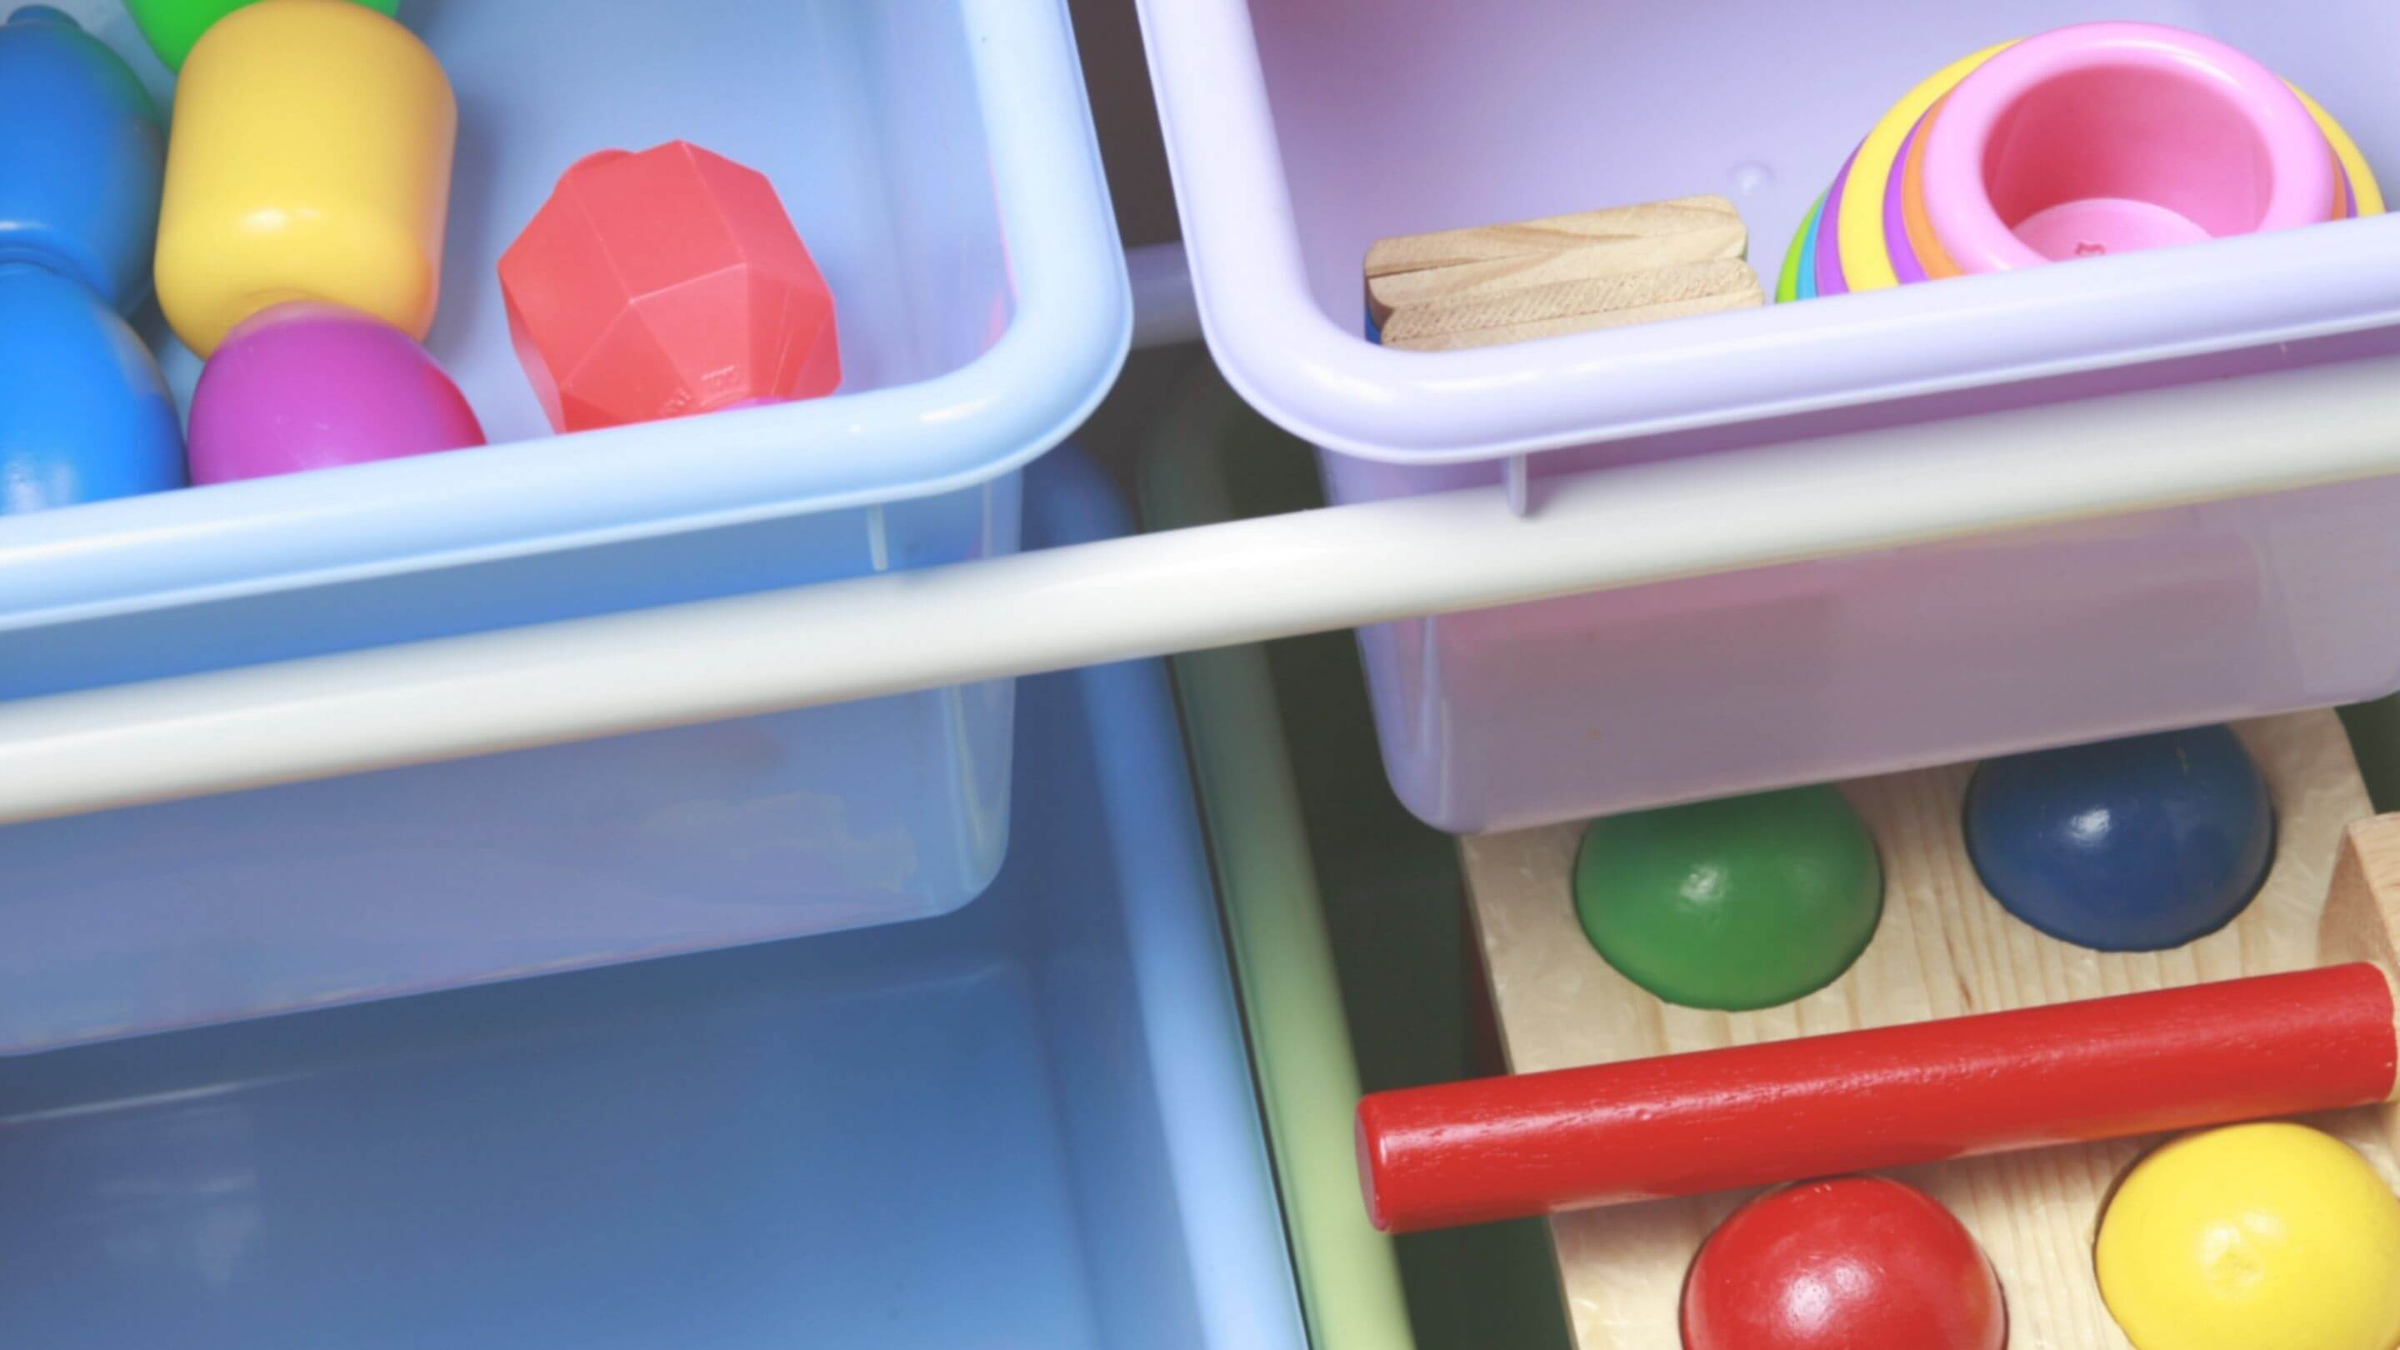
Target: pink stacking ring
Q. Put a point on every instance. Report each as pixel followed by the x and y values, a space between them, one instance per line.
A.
pixel 2110 137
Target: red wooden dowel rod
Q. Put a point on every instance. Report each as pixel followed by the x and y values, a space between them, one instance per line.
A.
pixel 1501 1148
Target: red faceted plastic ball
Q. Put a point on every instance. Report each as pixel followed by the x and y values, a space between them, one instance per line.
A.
pixel 1845 1264
pixel 663 284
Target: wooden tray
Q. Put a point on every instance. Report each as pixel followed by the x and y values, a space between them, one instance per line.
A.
pixel 1945 948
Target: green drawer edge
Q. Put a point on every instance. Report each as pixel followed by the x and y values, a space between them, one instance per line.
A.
pixel 1346 928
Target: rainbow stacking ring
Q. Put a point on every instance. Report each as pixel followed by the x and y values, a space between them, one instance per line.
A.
pixel 2119 136
pixel 2099 138
pixel 1895 219
pixel 2363 194
pixel 1918 226
pixel 1787 282
pixel 1829 249
pixel 1866 262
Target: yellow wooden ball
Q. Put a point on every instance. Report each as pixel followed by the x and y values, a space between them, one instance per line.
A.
pixel 2250 1237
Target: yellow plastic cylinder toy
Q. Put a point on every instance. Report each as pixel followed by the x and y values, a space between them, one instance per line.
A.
pixel 309 160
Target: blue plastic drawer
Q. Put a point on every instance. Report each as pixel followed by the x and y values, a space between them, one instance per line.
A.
pixel 1026 1124
pixel 939 159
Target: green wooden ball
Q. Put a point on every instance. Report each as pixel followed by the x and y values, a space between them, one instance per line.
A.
pixel 1742 903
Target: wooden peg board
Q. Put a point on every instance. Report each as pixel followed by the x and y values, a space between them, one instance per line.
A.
pixel 1945 948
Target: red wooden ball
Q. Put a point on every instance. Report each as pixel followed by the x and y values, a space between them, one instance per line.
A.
pixel 1840 1265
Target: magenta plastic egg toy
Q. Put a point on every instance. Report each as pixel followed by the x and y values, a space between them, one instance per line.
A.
pixel 311 386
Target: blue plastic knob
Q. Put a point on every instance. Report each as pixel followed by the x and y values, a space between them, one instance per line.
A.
pixel 2133 845
pixel 84 413
pixel 82 155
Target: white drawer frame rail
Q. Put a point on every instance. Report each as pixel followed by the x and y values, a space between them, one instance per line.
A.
pixel 1149 595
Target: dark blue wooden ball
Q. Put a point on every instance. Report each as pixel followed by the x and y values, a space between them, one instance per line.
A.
pixel 2133 845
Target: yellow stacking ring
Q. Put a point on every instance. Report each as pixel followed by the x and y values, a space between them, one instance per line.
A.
pixel 1866 261
pixel 2366 198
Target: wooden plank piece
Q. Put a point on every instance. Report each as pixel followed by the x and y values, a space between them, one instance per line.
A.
pixel 1534 271
pixel 1549 234
pixel 1740 292
pixel 1603 294
pixel 1497 284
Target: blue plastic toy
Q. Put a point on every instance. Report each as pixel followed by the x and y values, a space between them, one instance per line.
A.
pixel 84 413
pixel 2133 845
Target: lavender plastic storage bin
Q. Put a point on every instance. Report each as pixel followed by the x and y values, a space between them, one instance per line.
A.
pixel 939 159
pixel 1582 706
pixel 1302 130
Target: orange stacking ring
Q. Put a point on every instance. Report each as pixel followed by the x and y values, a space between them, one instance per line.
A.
pixel 1921 239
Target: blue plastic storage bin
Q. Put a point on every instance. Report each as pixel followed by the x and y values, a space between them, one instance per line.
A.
pixel 1025 1124
pixel 939 159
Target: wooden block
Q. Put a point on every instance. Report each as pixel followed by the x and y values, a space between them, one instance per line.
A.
pixel 1944 948
pixel 1538 271
pixel 1563 274
pixel 1648 298
pixel 1550 234
pixel 2362 915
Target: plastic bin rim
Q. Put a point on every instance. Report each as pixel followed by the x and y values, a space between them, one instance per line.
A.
pixel 1328 385
pixel 1068 335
